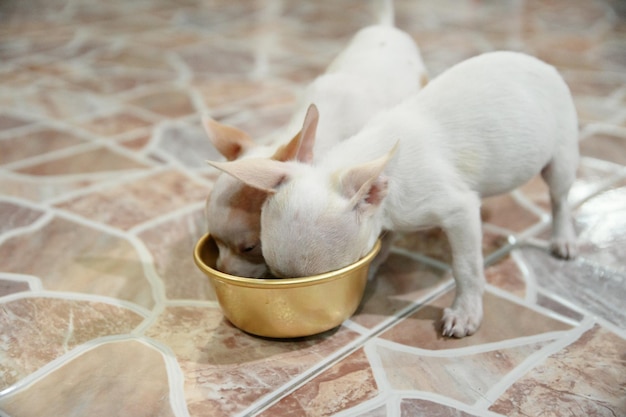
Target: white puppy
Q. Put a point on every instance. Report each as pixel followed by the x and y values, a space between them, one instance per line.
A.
pixel 380 67
pixel 484 127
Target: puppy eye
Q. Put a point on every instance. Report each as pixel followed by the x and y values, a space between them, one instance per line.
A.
pixel 249 248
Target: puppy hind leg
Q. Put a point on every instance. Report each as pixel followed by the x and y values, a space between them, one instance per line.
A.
pixel 463 229
pixel 560 176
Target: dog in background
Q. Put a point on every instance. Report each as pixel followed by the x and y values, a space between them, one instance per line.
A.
pixel 380 67
pixel 483 127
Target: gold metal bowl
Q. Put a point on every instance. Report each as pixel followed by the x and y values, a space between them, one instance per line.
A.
pixel 286 307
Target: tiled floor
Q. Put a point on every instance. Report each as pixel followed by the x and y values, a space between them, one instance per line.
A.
pixel 102 183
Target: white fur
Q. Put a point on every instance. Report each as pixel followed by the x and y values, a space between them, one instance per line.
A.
pixel 484 127
pixel 380 67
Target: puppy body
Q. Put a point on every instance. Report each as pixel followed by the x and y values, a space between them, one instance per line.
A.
pixel 380 67
pixel 484 127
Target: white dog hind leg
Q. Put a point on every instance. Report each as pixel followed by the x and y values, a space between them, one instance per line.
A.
pixel 462 226
pixel 560 175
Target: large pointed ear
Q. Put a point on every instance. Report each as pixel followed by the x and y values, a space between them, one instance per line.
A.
pixel 289 150
pixel 228 140
pixel 300 148
pixel 365 185
pixel 261 173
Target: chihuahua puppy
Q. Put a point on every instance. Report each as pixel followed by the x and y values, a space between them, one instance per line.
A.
pixel 380 67
pixel 483 127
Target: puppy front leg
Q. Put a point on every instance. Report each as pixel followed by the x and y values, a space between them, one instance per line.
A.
pixel 463 229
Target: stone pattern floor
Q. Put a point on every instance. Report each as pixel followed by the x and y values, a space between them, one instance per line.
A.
pixel 102 186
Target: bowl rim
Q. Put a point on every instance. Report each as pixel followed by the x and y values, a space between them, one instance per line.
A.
pixel 278 282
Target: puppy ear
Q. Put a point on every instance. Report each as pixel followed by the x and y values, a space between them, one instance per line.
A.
pixel 300 148
pixel 308 132
pixel 228 140
pixel 261 173
pixel 289 150
pixel 365 185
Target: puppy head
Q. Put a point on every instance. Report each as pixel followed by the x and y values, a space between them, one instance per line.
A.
pixel 318 221
pixel 233 209
pixel 233 213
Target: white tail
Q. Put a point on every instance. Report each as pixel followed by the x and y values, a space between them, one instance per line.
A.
pixel 386 13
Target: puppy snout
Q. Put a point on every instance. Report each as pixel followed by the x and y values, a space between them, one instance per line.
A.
pixel 221 265
pixel 225 262
pixel 231 264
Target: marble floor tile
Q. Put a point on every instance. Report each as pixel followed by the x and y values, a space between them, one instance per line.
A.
pixel 186 144
pixel 227 96
pixel 433 243
pixel 507 275
pixel 115 124
pixel 592 287
pixel 417 407
pixel 133 58
pixel 104 80
pixel 169 103
pixel 605 145
pixel 40 189
pixel 8 287
pixel 225 370
pixel 400 284
pixel 590 381
pixel 38 330
pixel 504 320
pixel 9 122
pixel 84 260
pixel 341 387
pixel 84 384
pixel 103 181
pixel 170 243
pixel 84 161
pixel 56 103
pixel 15 216
pixel 132 203
pixel 601 226
pixel 465 378
pixel 39 142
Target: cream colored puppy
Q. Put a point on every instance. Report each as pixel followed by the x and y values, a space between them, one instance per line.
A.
pixel 380 67
pixel 484 127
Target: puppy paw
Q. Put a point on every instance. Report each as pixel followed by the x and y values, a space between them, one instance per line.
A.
pixel 461 321
pixel 564 248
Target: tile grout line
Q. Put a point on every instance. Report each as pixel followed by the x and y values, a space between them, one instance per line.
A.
pixel 34 282
pixel 530 282
pixel 175 376
pixel 36 225
pixel 77 296
pixel 471 349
